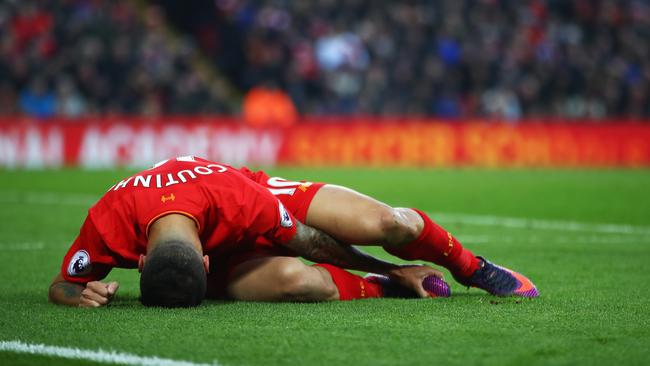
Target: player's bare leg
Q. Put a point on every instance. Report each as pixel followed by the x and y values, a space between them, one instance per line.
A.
pixel 280 279
pixel 277 278
pixel 355 218
pixel 410 234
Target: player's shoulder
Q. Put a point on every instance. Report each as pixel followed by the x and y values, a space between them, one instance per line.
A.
pixel 245 171
pixel 188 160
pixel 258 176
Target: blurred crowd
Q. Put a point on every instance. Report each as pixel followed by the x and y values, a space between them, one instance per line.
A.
pixel 78 57
pixel 450 58
pixel 506 59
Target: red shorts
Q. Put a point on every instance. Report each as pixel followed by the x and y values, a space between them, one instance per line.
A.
pixel 296 198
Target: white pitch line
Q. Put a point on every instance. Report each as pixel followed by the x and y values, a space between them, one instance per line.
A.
pixel 48 198
pixel 36 245
pixel 67 199
pixel 540 224
pixel 111 357
pixel 554 239
pixel 475 239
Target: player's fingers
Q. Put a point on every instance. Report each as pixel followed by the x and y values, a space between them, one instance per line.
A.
pixel 98 287
pixel 435 272
pixel 112 288
pixel 87 303
pixel 421 291
pixel 425 270
pixel 93 296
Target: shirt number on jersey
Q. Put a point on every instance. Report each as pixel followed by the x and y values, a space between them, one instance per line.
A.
pixel 277 186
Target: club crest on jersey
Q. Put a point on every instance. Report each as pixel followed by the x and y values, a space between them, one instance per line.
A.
pixel 164 198
pixel 285 218
pixel 79 264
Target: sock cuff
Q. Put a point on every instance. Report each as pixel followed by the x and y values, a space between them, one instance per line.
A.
pixel 426 228
pixel 350 286
pixel 410 250
pixel 437 245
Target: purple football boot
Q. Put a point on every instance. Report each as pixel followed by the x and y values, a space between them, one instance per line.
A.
pixel 499 281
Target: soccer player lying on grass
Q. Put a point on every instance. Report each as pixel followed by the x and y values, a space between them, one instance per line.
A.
pixel 189 217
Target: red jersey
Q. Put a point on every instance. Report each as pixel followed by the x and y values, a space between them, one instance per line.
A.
pixel 230 211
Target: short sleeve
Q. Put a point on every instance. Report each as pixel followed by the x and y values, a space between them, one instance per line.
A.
pixel 88 259
pixel 274 221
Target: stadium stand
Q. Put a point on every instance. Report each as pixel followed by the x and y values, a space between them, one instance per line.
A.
pixel 506 59
pixel 73 58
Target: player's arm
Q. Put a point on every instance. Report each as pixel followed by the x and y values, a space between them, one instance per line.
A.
pixel 65 293
pixel 92 294
pixel 317 246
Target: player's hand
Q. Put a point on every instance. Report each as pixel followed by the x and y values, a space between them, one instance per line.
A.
pixel 411 276
pixel 98 294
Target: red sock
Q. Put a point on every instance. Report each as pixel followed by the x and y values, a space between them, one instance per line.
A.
pixel 437 245
pixel 350 285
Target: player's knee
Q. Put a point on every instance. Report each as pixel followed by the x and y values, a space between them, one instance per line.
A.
pixel 397 227
pixel 299 282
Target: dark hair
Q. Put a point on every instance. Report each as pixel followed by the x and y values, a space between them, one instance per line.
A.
pixel 173 276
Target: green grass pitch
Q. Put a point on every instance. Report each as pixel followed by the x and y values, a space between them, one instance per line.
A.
pixel 589 254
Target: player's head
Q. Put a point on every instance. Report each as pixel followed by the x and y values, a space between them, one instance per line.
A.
pixel 173 276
